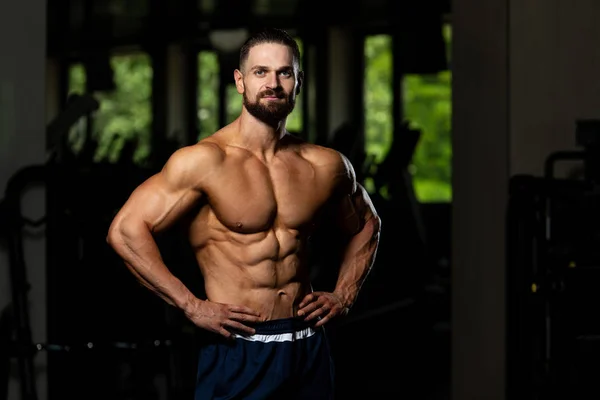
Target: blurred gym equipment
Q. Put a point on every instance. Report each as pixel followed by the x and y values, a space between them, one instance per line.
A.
pixel 115 350
pixel 553 267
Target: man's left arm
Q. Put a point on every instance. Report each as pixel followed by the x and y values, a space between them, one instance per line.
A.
pixel 361 223
pixel 358 221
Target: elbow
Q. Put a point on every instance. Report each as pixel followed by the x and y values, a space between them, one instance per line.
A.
pixel 377 224
pixel 124 230
pixel 114 234
pixel 373 230
pixel 118 230
pixel 374 225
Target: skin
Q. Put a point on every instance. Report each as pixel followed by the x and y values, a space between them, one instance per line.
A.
pixel 254 195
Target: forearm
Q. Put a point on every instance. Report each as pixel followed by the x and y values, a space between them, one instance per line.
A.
pixel 136 246
pixel 358 258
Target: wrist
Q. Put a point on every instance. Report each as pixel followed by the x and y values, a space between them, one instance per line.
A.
pixel 345 299
pixel 188 304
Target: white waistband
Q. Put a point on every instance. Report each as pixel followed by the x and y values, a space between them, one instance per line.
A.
pixel 279 337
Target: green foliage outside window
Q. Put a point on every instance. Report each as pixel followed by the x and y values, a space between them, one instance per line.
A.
pixel 426 106
pixel 77 82
pixel 378 96
pixel 125 114
pixel 208 93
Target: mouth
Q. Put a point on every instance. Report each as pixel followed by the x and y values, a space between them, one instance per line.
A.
pixel 272 95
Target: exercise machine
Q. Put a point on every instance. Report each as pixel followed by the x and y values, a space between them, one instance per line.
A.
pixel 553 269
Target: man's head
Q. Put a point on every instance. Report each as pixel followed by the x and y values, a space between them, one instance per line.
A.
pixel 269 76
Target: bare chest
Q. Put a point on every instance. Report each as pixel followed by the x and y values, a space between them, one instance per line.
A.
pixel 252 197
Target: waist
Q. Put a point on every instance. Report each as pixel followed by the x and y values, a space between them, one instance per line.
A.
pixel 270 303
pixel 281 325
pixel 281 330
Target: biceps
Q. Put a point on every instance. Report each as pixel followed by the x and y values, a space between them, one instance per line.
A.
pixel 157 205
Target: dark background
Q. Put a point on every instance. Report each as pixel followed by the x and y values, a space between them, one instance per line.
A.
pixel 485 294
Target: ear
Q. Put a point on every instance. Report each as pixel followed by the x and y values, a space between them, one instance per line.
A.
pixel 300 82
pixel 239 81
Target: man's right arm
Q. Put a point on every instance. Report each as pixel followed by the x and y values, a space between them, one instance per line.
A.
pixel 154 206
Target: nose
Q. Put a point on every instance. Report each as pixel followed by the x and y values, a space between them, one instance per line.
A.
pixel 272 80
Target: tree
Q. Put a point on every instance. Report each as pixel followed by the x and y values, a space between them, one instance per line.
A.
pixel 427 106
pixel 125 113
pixel 207 92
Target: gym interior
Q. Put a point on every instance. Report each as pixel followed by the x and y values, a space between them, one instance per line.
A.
pixel 474 125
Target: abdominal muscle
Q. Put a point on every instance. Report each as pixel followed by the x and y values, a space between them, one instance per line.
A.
pixel 264 271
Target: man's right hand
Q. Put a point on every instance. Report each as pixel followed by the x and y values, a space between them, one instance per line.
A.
pixel 223 319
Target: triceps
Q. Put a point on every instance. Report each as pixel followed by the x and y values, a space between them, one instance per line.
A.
pixel 354 210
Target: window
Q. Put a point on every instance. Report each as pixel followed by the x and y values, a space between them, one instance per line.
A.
pixel 295 119
pixel 77 84
pixel 427 101
pixel 125 114
pixel 233 103
pixel 427 105
pixel 378 99
pixel 208 93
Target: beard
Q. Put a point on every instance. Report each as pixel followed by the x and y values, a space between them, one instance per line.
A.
pixel 272 112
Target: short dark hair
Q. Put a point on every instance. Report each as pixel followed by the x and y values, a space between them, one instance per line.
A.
pixel 269 35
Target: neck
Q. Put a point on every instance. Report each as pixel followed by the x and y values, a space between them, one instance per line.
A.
pixel 258 137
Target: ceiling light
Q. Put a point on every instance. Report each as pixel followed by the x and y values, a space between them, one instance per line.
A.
pixel 228 41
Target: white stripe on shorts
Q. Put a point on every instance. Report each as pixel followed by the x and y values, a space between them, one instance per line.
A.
pixel 279 337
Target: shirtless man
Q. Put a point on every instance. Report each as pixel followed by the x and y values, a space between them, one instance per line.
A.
pixel 255 195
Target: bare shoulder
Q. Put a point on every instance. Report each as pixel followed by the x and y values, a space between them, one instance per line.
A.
pixel 202 154
pixel 190 165
pixel 332 164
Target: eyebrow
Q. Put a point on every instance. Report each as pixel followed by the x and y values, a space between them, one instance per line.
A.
pixel 284 68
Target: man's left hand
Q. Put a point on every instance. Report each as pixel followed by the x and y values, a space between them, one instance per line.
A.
pixel 321 304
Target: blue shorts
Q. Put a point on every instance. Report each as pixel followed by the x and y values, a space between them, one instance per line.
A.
pixel 284 359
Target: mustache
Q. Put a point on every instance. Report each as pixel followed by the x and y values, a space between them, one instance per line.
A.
pixel 273 92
